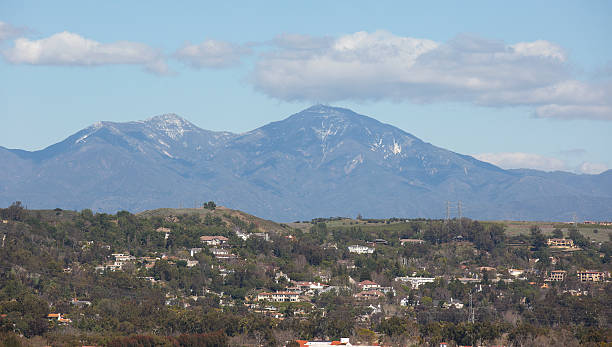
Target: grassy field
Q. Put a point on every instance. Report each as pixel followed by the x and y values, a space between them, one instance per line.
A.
pixel 594 232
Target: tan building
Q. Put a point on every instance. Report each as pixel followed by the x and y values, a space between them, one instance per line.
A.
pixel 560 243
pixel 556 275
pixel 591 276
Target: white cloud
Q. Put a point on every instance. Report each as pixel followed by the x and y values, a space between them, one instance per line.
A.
pixel 593 168
pixel 520 160
pixel 380 65
pixel 74 50
pixel 8 31
pixel 540 48
pixel 212 54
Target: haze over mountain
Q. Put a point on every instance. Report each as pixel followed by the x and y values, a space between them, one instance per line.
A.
pixel 319 162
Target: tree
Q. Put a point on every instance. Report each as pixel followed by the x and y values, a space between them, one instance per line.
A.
pixel 537 238
pixel 210 205
pixel 557 233
pixel 578 238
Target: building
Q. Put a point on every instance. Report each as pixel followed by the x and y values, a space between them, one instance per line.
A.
pixel 556 275
pixel 515 272
pixel 80 303
pixel 370 295
pixel 310 287
pixel 213 240
pixel 453 303
pixel 367 285
pixel 591 276
pixel 343 342
pixel 411 241
pixel 120 257
pixel 58 317
pixel 360 249
pixel 560 243
pixel 279 297
pixel 194 251
pixel 416 282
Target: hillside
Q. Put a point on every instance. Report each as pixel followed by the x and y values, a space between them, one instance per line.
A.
pixel 219 278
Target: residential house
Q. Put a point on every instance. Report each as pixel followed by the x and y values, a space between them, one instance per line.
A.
pixel 310 287
pixel 453 303
pixel 556 275
pixel 591 276
pixel 516 272
pixel 194 251
pixel 370 295
pixel 214 240
pixel 279 297
pixel 345 341
pixel 164 230
pixel 560 243
pixel 219 251
pixel 80 303
pixel 368 285
pixel 416 282
pixel 411 241
pixel 120 257
pixel 360 249
pixel 58 317
pixel 223 254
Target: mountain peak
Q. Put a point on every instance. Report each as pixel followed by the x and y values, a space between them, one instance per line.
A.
pixel 171 124
pixel 168 118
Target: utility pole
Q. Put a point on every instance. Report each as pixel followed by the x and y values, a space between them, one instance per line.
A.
pixel 471 319
pixel 471 309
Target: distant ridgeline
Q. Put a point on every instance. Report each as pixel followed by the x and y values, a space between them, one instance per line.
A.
pixel 321 161
pixel 213 276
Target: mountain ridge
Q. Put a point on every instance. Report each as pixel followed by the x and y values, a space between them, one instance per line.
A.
pixel 318 162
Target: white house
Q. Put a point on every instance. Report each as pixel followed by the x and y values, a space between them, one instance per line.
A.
pixel 360 249
pixel 213 240
pixel 416 282
pixel 279 297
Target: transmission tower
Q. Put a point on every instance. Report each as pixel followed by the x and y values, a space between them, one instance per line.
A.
pixel 447 211
pixel 459 209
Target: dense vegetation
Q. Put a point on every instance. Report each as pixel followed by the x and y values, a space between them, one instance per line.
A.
pixel 48 263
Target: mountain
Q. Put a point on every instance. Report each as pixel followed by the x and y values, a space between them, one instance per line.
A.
pixel 319 162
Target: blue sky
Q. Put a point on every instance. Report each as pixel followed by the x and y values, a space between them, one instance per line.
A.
pixel 520 85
